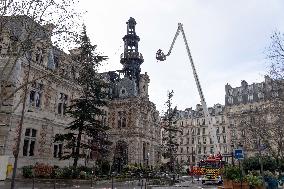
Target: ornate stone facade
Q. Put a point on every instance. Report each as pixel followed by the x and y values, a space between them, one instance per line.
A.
pixel 194 140
pixel 51 87
pixel 134 120
pixel 248 94
pixel 255 115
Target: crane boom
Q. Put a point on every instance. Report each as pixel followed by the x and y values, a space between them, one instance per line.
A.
pixel 161 56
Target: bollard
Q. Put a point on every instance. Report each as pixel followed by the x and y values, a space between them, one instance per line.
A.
pixel 92 177
pixel 112 182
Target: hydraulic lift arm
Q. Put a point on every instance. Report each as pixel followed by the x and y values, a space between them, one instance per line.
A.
pixel 161 57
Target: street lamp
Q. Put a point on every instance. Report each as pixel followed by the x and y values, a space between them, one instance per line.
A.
pixel 192 164
pixel 232 154
pixel 148 155
pixel 260 160
pixel 240 145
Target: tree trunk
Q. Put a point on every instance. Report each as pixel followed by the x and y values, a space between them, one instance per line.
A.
pixel 19 137
pixel 77 150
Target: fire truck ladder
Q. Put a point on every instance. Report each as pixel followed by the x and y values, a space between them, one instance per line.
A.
pixel 162 57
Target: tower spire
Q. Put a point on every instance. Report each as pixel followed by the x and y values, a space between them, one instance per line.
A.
pixel 131 59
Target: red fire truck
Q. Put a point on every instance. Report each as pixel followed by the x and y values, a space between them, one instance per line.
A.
pixel 209 169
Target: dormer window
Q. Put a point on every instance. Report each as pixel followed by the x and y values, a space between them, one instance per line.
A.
pixel 230 100
pixel 250 88
pixel 260 95
pixel 250 97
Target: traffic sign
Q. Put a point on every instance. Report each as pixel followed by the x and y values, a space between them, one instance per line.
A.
pixel 239 154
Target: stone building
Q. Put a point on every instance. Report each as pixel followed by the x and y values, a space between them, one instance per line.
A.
pixel 249 94
pixel 252 111
pixel 194 140
pixel 134 120
pixel 252 119
pixel 51 74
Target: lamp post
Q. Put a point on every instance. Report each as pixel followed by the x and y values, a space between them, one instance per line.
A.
pixel 192 164
pixel 241 171
pixel 148 155
pixel 260 161
pixel 92 177
pixel 232 154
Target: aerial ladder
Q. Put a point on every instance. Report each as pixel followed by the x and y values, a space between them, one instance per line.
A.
pixel 162 57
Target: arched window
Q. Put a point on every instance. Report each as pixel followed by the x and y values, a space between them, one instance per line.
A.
pixel 121 119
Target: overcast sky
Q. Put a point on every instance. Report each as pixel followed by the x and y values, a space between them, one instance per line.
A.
pixel 227 41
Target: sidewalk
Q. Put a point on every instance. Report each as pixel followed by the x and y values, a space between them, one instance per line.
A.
pixel 67 184
pixel 105 184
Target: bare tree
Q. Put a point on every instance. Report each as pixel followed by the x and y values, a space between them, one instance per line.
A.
pixel 275 54
pixel 30 27
pixel 262 129
pixel 29 32
pixel 253 127
pixel 276 132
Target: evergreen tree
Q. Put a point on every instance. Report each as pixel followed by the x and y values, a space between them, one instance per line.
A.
pixel 170 138
pixel 87 110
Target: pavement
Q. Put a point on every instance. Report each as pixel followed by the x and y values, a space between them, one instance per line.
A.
pixel 28 184
pixel 187 185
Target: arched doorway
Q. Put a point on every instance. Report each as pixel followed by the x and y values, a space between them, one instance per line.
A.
pixel 120 158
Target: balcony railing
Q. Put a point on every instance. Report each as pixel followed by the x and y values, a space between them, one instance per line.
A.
pixel 129 55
